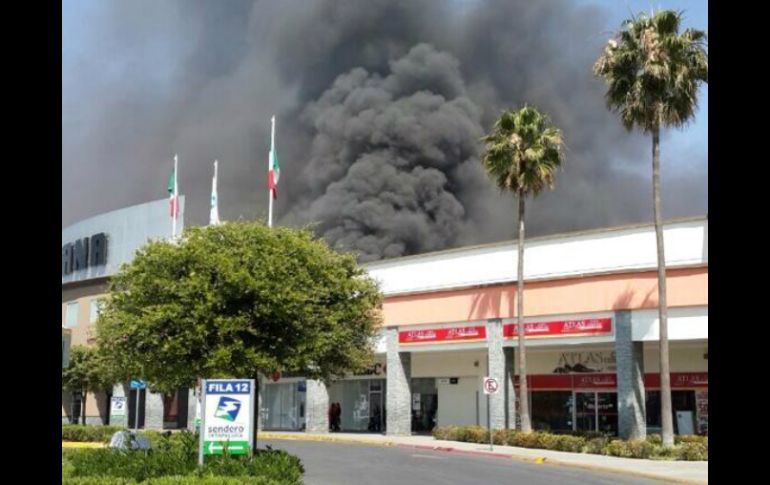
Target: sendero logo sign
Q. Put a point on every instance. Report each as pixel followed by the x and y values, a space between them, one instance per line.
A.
pixel 227 408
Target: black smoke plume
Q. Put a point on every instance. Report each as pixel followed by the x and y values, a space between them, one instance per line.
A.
pixel 380 107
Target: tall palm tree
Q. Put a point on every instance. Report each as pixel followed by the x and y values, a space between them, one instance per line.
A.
pixel 653 74
pixel 522 155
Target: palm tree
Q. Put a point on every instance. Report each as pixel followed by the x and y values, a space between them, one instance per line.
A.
pixel 653 74
pixel 522 155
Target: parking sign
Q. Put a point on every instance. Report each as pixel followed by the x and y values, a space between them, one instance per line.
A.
pixel 228 410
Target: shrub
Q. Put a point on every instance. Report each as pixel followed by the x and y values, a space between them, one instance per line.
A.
pixel 173 480
pixel 574 444
pixel 500 437
pixel 474 434
pixel 445 432
pixel 629 449
pixel 693 451
pixel 82 433
pixel 655 439
pixel 690 447
pixel 596 445
pixel 690 438
pixel 177 456
pixel 273 464
pixel 526 440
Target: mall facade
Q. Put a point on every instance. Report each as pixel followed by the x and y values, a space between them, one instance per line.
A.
pixel 591 326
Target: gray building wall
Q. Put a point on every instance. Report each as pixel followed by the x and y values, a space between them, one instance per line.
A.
pixel 127 230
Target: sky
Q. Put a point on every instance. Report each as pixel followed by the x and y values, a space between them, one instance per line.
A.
pixel 142 80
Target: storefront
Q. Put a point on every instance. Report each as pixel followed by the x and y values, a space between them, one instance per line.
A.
pixel 283 404
pixel 580 391
pixel 361 403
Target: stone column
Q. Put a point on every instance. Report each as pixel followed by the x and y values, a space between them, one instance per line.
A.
pixel 629 362
pixel 398 400
pixel 496 369
pixel 192 404
pixel 510 392
pixel 316 407
pixel 153 411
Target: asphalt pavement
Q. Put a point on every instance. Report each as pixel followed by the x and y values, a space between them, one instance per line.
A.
pixel 342 464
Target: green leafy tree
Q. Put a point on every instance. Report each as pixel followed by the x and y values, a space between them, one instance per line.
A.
pixel 238 300
pixel 87 371
pixel 653 73
pixel 522 155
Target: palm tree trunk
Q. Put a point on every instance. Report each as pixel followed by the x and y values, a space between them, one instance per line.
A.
pixel 666 416
pixel 526 425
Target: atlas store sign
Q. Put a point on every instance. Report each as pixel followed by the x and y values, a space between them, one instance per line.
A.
pixel 474 333
pixel 84 253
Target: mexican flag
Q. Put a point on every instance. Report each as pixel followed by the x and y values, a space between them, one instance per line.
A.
pixel 274 172
pixel 173 198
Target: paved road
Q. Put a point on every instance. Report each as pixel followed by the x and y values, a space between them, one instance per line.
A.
pixel 342 464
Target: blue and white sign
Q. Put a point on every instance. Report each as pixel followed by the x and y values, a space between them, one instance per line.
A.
pixel 228 415
pixel 137 384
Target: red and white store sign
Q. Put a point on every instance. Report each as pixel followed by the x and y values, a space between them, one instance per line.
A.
pixel 560 328
pixel 679 380
pixel 434 335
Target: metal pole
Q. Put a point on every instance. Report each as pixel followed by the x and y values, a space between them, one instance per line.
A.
pixel 255 422
pixel 269 168
pixel 203 423
pixel 136 414
pixel 175 208
pixel 489 423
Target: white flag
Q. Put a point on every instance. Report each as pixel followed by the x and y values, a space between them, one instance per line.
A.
pixel 214 215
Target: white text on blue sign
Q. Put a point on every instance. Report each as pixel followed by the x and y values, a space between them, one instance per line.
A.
pixel 228 387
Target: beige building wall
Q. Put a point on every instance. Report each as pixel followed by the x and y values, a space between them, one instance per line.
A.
pixel 83 333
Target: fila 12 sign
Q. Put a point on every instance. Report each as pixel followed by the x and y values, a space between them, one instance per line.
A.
pixel 228 411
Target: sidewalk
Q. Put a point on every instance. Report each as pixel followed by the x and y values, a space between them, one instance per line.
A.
pixel 686 472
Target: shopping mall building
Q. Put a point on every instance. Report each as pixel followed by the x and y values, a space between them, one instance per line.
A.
pixel 590 306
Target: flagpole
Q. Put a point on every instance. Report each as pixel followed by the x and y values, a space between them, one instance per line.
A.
pixel 214 211
pixel 269 168
pixel 175 208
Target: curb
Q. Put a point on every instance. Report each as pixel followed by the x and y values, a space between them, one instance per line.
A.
pixel 318 437
pixel 81 444
pixel 446 449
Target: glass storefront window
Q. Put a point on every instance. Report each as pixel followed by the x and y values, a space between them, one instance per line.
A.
pixel 424 404
pixel 585 411
pixel 551 410
pixel 607 411
pixel 283 405
pixel 596 411
pixel 361 402
pixel 682 401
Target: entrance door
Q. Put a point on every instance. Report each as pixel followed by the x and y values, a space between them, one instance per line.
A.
pixel 424 404
pixel 585 411
pixel 607 412
pixel 596 411
pixel 375 412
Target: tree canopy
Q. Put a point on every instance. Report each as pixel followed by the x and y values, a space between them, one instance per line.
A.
pixel 237 299
pixel 653 72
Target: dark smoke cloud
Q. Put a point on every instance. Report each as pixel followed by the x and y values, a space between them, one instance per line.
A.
pixel 387 156
pixel 380 105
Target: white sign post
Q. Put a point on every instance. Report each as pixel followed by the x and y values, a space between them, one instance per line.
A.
pixel 491 386
pixel 228 414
